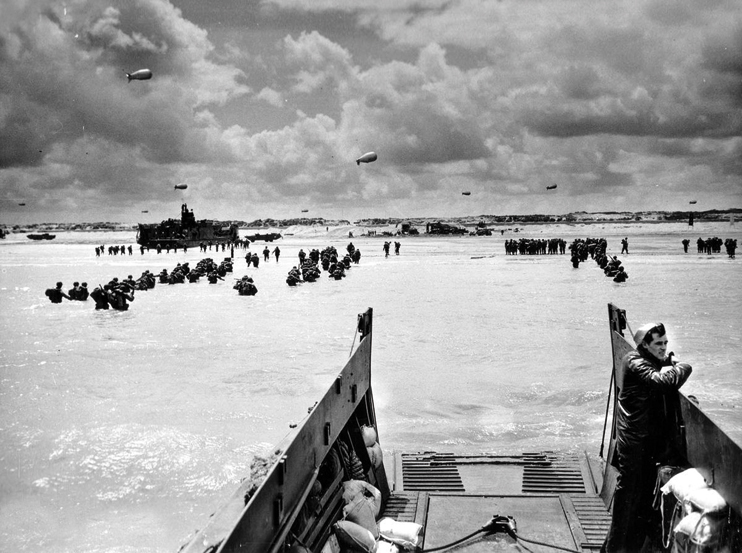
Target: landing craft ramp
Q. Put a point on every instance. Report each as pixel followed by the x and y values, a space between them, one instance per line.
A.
pixel 553 498
pixel 296 496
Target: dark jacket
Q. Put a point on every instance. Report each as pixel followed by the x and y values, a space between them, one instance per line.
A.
pixel 646 405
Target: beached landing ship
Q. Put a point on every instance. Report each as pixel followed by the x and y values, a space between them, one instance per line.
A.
pixel 300 499
pixel 185 231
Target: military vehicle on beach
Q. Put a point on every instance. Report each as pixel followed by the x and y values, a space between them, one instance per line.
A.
pixel 329 487
pixel 444 228
pixel 186 231
pixel 264 236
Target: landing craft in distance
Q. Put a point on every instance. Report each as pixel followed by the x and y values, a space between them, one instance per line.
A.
pixel 140 75
pixel 466 193
pixel 145 211
pixel 21 204
pixel 368 157
pixel 305 211
pixel 552 187
pixel 180 187
pixel 693 201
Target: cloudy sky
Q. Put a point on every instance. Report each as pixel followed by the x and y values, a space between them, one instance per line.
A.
pixel 261 107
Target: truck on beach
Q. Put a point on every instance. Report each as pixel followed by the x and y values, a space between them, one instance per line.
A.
pixel 329 486
pixel 439 227
pixel 186 231
pixel 264 236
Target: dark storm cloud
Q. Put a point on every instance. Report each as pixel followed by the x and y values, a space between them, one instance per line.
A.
pixel 731 163
pixel 629 51
pixel 724 53
pixel 421 113
pixel 269 103
pixel 623 87
pixel 583 122
pixel 725 156
pixel 722 56
pixel 24 132
pixel 146 34
pixel 672 13
pixel 65 71
pixel 608 180
pixel 582 83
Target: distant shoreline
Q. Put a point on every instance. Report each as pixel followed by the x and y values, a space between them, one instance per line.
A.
pixel 577 218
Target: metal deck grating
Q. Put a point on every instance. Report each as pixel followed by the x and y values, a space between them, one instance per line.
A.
pixel 401 506
pixel 594 519
pixel 406 507
pixel 548 473
pixel 540 476
pixel 431 472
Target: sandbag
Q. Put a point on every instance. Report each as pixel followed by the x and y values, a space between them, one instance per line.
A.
pixel 706 500
pixel 386 547
pixel 703 524
pixel 688 523
pixel 666 503
pixel 369 435
pixel 362 513
pixel 331 545
pixel 351 488
pixel 354 537
pixel 406 534
pixel 375 455
pixel 698 530
pixel 684 482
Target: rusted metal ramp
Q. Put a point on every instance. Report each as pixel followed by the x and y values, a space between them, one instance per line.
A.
pixel 553 498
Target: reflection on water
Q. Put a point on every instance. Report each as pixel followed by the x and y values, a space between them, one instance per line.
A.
pixel 124 431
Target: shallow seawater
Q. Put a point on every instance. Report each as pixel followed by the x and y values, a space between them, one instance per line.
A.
pixel 125 431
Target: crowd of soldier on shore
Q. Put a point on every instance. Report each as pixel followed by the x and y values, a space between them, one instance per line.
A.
pixel 713 245
pixel 167 247
pixel 535 246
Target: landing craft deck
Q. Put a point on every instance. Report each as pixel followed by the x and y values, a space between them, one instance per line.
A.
pixel 294 499
pixel 552 497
